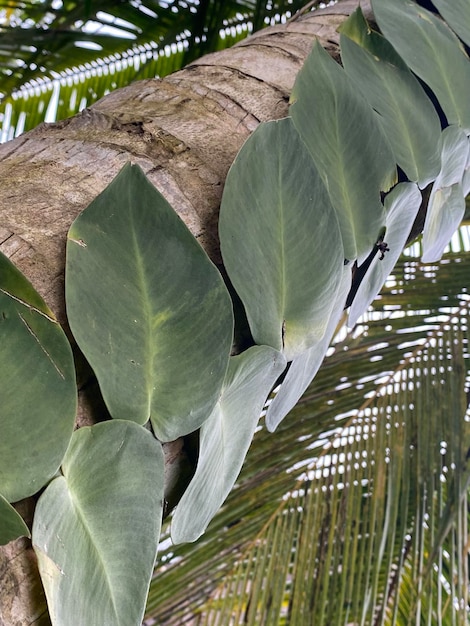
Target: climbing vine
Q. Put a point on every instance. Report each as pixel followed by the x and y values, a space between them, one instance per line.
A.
pixel 316 210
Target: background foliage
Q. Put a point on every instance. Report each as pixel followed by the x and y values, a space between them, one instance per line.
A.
pixel 59 56
pixel 348 502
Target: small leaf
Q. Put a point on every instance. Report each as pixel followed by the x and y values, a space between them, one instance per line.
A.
pixel 12 524
pixel 157 325
pixel 96 528
pixel 14 285
pixel 225 439
pixel 445 212
pixel 37 388
pixel 348 146
pixel 304 368
pixel 432 51
pixel 457 15
pixel 402 205
pixel 446 206
pixel 407 115
pixel 280 239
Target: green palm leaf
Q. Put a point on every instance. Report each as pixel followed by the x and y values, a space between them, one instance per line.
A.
pixel 59 60
pixel 365 498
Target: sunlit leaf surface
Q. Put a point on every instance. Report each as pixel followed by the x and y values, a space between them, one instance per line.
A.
pixel 280 240
pixel 446 205
pixel 97 525
pixel 337 123
pixel 225 438
pixel 303 369
pixel 12 525
pixel 349 514
pixel 432 51
pixel 38 394
pixel 407 115
pixel 157 327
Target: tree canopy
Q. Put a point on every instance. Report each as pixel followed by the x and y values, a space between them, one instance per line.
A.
pixel 56 57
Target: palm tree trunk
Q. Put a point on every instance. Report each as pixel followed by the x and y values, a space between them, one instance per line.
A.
pixel 184 131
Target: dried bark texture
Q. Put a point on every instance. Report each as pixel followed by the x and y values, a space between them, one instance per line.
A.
pixel 184 131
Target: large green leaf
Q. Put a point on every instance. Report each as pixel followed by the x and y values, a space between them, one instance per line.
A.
pixel 225 439
pixel 446 206
pixel 157 325
pixel 96 527
pixel 37 387
pixel 432 51
pixel 407 115
pixel 402 205
pixel 457 15
pixel 304 368
pixel 12 524
pixel 280 239
pixel 349 148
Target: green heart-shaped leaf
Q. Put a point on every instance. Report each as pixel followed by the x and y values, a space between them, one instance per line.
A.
pixel 96 527
pixel 12 524
pixel 148 308
pixel 446 206
pixel 225 439
pixel 304 368
pixel 348 145
pixel 407 115
pixel 432 51
pixel 37 388
pixel 280 239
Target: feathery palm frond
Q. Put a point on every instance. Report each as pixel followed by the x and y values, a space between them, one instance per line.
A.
pixel 58 57
pixel 356 510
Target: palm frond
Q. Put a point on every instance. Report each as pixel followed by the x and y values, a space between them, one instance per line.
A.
pixel 356 510
pixel 57 61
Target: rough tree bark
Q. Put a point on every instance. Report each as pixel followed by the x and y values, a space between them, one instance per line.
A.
pixel 184 131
